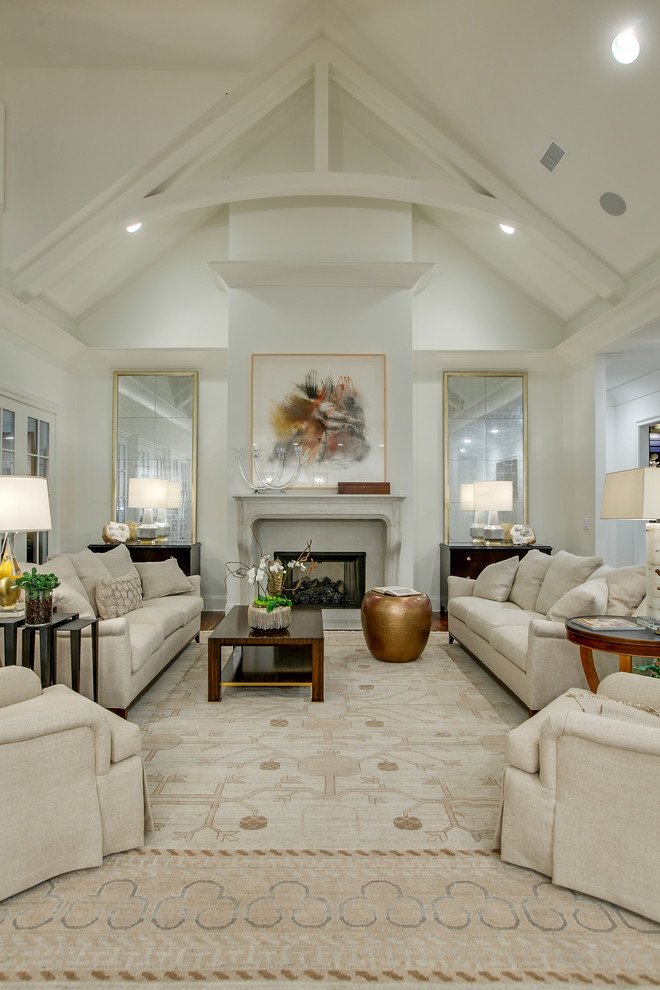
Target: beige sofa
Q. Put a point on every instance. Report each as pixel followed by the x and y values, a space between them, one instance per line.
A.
pixel 512 618
pixel 580 792
pixel 148 613
pixel 71 778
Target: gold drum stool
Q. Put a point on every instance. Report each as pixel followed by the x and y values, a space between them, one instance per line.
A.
pixel 396 629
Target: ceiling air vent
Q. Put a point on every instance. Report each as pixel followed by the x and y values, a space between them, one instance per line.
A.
pixel 552 156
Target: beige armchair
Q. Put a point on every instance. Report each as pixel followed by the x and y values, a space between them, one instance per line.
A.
pixel 581 793
pixel 71 779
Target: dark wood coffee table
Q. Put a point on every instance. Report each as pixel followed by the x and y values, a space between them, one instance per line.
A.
pixel 635 641
pixel 277 658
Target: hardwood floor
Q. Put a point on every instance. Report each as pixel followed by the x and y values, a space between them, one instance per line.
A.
pixel 211 619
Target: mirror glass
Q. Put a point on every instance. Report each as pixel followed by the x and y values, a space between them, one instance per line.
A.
pixel 155 436
pixel 485 439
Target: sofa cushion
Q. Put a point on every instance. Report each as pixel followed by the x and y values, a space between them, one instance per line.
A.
pixel 496 579
pixel 485 620
pixel 185 607
pixel 146 638
pixel 626 589
pixel 460 608
pixel 162 577
pixel 566 571
pixel 117 596
pixel 90 569
pixel 512 642
pixel 589 598
pixel 532 569
pixel 168 619
pixel 119 561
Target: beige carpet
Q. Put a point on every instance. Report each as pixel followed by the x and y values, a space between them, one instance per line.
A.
pixel 398 756
pixel 334 843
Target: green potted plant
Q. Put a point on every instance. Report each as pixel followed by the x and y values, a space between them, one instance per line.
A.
pixel 38 590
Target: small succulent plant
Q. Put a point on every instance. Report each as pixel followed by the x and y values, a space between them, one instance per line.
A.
pixel 33 581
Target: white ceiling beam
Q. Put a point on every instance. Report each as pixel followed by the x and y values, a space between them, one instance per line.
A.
pixel 321 115
pixel 442 194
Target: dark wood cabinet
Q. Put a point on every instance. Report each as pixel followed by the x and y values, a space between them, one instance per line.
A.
pixel 469 560
pixel 187 555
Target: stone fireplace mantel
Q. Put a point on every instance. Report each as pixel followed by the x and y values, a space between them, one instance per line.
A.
pixel 310 505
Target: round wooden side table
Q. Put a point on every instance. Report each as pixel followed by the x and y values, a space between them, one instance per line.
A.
pixel 628 641
pixel 396 629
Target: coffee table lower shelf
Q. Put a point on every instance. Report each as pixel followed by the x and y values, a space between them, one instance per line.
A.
pixel 289 657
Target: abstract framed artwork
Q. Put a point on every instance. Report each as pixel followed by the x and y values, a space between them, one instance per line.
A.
pixel 332 406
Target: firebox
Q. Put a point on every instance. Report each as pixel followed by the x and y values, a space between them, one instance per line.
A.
pixel 337 581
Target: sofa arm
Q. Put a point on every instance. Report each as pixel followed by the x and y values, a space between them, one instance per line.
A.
pixel 113 627
pixel 196 581
pixel 547 629
pixel 459 587
pixel 18 684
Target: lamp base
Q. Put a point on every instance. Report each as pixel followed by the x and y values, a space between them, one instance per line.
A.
pixel 147 531
pixel 493 533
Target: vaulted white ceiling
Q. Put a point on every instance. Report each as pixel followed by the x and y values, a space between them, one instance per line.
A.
pixel 446 105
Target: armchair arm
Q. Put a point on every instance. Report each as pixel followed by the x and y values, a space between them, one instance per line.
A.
pixel 18 684
pixel 458 587
pixel 57 710
pixel 633 688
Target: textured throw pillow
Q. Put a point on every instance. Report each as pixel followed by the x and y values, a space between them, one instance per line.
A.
pixel 161 578
pixel 566 571
pixel 68 599
pixel 496 579
pixel 626 589
pixel 119 562
pixel 117 596
pixel 90 569
pixel 532 569
pixel 622 711
pixel 589 598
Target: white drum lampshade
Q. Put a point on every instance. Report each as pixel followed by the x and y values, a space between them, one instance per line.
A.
pixel 493 497
pixel 147 494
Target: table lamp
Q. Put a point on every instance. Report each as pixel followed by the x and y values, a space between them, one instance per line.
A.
pixel 147 494
pixel 479 517
pixel 173 502
pixel 493 497
pixel 24 508
pixel 635 494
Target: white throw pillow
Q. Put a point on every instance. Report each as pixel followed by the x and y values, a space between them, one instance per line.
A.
pixel 566 571
pixel 90 569
pixel 627 587
pixel 532 569
pixel 161 578
pixel 119 561
pixel 68 599
pixel 589 598
pixel 116 596
pixel 496 579
pixel 62 565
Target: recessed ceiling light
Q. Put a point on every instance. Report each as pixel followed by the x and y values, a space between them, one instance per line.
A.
pixel 613 204
pixel 625 47
pixel 133 227
pixel 506 228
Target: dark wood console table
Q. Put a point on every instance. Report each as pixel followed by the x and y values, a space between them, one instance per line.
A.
pixel 187 555
pixel 469 560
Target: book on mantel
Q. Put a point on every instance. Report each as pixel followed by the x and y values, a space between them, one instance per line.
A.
pixel 396 591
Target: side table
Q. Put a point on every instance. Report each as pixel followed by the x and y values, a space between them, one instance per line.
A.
pixel 632 640
pixel 47 645
pixel 75 628
pixel 10 623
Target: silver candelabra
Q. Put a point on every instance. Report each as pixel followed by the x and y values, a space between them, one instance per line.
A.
pixel 269 481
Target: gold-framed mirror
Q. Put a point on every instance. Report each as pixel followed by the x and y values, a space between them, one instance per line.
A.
pixel 154 436
pixel 485 439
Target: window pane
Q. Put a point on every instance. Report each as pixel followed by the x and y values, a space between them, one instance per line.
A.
pixel 44 439
pixel 7 462
pixel 32 466
pixel 43 467
pixel 7 429
pixel 32 427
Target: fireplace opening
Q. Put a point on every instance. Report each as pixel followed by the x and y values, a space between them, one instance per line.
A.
pixel 337 581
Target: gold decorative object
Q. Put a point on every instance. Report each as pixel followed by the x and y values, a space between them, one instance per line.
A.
pixel 260 618
pixel 396 629
pixel 114 532
pixel 9 571
pixel 132 530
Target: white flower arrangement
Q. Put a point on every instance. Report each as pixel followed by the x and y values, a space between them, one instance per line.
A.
pixel 269 576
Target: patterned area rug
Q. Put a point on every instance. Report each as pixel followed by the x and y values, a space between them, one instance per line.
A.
pixel 398 756
pixel 342 842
